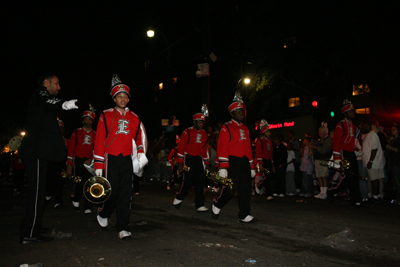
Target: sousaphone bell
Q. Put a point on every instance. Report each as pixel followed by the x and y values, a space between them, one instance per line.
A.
pixel 97 189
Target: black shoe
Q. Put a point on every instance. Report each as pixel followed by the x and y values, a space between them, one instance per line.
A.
pixel 27 240
pixel 177 206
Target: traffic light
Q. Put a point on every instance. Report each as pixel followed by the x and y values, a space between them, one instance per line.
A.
pixel 315 104
pixel 332 114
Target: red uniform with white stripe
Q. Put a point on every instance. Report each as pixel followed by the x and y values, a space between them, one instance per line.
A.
pixel 234 140
pixel 194 143
pixel 264 149
pixel 81 144
pixel 343 138
pixel 122 129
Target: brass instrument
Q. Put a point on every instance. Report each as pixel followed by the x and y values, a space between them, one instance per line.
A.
pixel 97 189
pixel 345 164
pixel 64 174
pixel 185 169
pixel 215 177
pixel 266 171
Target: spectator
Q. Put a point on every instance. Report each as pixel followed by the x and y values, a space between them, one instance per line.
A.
pixel 290 183
pixel 323 151
pixel 307 169
pixel 280 163
pixel 373 158
pixel 394 152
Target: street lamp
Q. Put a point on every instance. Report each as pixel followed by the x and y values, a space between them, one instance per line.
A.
pixel 151 33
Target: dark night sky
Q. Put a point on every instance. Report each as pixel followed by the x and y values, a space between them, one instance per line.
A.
pixel 85 42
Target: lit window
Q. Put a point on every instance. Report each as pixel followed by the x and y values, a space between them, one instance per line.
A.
pixel 294 102
pixel 160 86
pixel 361 89
pixel 174 80
pixel 165 122
pixel 362 111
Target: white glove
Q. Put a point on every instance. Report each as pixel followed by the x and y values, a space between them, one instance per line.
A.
pixel 70 104
pixel 337 164
pixel 253 173
pixel 99 172
pixel 142 159
pixel 358 153
pixel 223 173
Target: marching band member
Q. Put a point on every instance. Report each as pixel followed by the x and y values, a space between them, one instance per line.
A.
pixel 235 156
pixel 119 153
pixel 343 148
pixel 80 151
pixel 192 152
pixel 264 155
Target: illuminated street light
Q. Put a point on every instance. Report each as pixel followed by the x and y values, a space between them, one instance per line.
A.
pixel 150 33
pixel 22 133
pixel 247 80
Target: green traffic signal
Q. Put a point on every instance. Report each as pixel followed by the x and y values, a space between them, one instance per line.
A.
pixel 332 114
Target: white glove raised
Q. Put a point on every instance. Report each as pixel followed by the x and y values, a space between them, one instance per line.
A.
pixel 223 173
pixel 70 104
pixel 253 173
pixel 99 172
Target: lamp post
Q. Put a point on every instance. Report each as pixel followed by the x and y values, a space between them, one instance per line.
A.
pixel 151 33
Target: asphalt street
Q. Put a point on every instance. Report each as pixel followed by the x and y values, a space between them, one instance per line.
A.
pixel 291 231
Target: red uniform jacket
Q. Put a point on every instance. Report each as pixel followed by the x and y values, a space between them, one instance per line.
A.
pixel 234 140
pixel 16 163
pixel 343 138
pixel 173 156
pixel 81 144
pixel 122 130
pixel 264 149
pixel 194 143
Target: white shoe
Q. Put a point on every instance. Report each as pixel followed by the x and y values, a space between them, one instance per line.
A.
pixel 75 204
pixel 88 211
pixel 323 196
pixel 48 198
pixel 124 234
pixel 248 219
pixel 202 209
pixel 291 194
pixel 318 196
pixel 275 194
pixel 270 198
pixel 215 212
pixel 258 191
pixel 281 195
pixel 102 221
pixel 176 201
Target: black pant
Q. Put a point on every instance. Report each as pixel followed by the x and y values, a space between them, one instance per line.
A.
pixel 280 180
pixel 19 175
pixel 194 177
pixel 351 179
pixel 240 173
pixel 119 172
pixel 36 174
pixel 84 174
pixel 266 182
pixel 55 182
